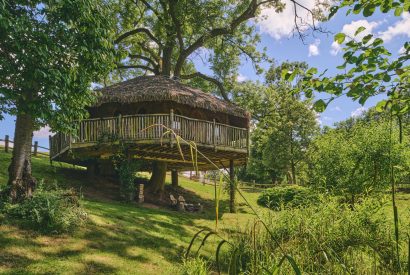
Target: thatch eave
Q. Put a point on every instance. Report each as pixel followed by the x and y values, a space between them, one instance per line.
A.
pixel 162 89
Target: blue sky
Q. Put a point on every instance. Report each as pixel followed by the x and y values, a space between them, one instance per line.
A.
pixel 318 50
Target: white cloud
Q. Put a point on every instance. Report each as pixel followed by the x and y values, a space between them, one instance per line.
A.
pixel 401 27
pixel 241 78
pixel 358 112
pixel 337 109
pixel 279 25
pixel 314 48
pixel 350 29
pixel 42 133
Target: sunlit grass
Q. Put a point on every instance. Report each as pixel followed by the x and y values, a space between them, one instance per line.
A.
pixel 119 238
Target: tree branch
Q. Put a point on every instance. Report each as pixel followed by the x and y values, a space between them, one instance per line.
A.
pixel 135 31
pixel 176 22
pixel 210 79
pixel 249 13
pixel 149 60
pixel 143 67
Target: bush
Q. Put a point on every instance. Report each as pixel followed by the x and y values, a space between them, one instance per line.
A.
pixel 289 196
pixel 48 211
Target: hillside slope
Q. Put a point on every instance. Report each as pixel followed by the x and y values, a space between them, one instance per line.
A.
pixel 119 238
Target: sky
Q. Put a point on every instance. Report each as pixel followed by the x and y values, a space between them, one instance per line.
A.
pixel 318 49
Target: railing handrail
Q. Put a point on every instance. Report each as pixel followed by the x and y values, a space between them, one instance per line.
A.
pixel 130 127
pixel 161 114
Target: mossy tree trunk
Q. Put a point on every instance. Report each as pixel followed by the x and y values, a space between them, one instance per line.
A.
pixel 157 181
pixel 21 181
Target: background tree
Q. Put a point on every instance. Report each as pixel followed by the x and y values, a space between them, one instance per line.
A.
pixel 353 159
pixel 284 124
pixel 50 52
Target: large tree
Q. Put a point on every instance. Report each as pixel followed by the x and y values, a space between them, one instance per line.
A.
pixel 50 52
pixel 163 37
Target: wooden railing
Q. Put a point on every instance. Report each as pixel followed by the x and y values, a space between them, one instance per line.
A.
pixel 151 127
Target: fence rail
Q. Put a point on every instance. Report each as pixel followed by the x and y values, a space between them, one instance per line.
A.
pixel 151 127
pixel 7 141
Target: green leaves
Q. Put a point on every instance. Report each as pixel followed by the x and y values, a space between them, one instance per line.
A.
pixel 340 37
pixel 320 105
pixel 359 30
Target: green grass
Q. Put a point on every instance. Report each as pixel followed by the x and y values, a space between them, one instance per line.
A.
pixel 119 238
pixel 122 238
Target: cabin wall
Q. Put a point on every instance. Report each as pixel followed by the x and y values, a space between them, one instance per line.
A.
pixel 114 109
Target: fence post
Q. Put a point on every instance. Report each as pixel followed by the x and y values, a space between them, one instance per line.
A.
pixel 50 145
pixel 35 148
pixel 171 126
pixel 6 144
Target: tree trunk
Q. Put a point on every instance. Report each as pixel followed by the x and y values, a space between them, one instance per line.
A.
pixel 157 181
pixel 232 188
pixel 174 178
pixel 293 171
pixel 21 182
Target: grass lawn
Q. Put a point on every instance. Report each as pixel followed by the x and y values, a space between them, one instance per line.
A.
pixel 119 238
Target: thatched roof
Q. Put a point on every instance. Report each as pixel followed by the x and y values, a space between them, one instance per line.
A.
pixel 160 88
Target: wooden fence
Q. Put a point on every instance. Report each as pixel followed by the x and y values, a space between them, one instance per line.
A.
pixel 7 142
pixel 152 127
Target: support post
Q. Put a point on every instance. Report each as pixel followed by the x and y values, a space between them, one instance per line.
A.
pixel 232 189
pixel 171 126
pixel 174 177
pixel 35 148
pixel 6 143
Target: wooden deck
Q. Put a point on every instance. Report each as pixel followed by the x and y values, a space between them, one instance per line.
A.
pixel 150 137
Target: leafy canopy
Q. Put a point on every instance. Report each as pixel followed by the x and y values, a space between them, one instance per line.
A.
pixel 50 52
pixel 165 37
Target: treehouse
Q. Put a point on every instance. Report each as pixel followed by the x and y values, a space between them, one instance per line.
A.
pixel 159 120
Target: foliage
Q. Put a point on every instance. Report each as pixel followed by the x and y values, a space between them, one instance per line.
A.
pixel 287 196
pixel 354 159
pixel 51 52
pixel 368 68
pixel 284 126
pixel 126 169
pixel 194 266
pixel 325 238
pixel 48 211
pixel 164 38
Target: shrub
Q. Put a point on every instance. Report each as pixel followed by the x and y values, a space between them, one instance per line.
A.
pixel 287 197
pixel 48 211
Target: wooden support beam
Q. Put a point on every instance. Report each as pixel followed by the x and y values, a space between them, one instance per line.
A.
pixel 232 188
pixel 174 178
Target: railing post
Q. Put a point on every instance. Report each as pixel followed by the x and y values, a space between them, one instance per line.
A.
pixel 119 126
pixel 171 126
pixel 35 148
pixel 214 134
pixel 6 144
